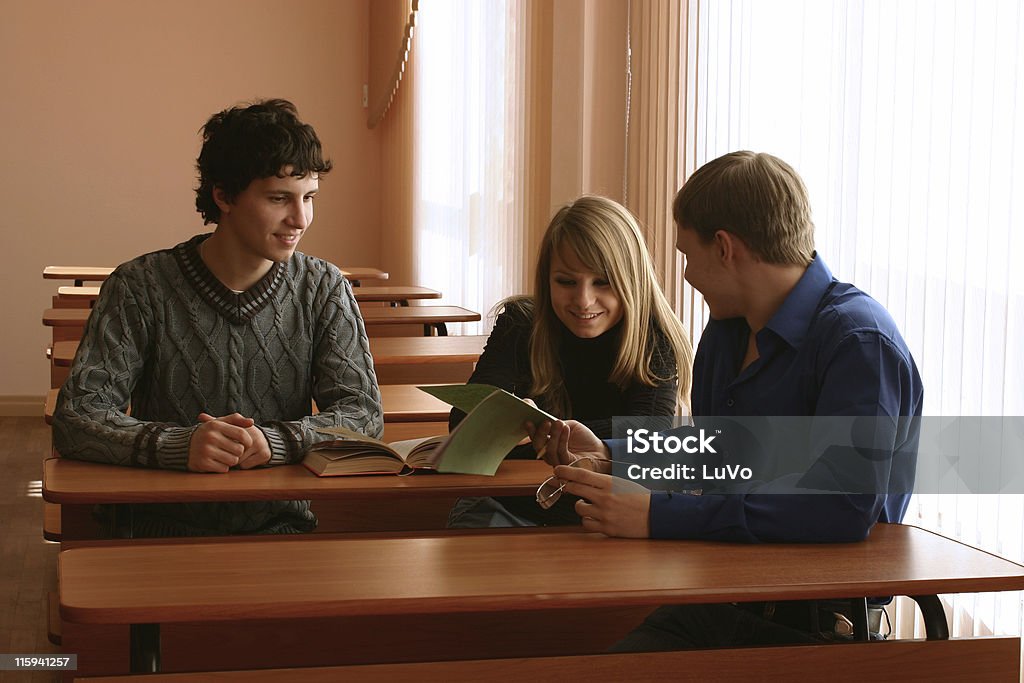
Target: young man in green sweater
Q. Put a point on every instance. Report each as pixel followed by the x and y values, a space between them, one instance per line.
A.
pixel 221 343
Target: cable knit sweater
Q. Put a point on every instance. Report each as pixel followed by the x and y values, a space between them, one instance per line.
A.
pixel 169 339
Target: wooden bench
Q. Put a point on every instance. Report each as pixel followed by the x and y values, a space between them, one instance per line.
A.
pixel 849 662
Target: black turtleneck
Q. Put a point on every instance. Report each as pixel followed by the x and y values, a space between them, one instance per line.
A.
pixel 586 364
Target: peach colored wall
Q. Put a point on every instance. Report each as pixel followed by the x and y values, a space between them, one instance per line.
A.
pixel 102 100
pixel 588 99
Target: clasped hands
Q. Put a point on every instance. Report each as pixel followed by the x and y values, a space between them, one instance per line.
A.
pixel 221 443
pixel 610 505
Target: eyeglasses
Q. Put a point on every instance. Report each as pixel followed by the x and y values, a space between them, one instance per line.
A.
pixel 551 489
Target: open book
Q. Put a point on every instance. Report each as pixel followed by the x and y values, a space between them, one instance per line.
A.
pixel 354 453
pixel 492 427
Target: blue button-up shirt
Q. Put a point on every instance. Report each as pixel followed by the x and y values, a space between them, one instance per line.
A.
pixel 830 350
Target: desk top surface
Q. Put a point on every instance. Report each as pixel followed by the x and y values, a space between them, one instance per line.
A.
pixel 494 572
pixel 419 314
pixel 76 482
pixel 363 273
pixel 385 350
pixel 404 402
pixel 394 293
pixel 401 403
pixel 364 293
pixel 66 317
pixel 75 292
pixel 405 350
pixel 100 273
pixel 91 273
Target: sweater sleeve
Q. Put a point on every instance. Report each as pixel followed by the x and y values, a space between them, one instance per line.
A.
pixel 90 420
pixel 344 382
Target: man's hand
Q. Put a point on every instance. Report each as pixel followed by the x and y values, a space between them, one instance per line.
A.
pixel 220 443
pixel 612 506
pixel 562 442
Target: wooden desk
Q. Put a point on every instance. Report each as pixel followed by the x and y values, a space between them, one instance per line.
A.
pixel 364 503
pixel 78 293
pixel 385 350
pixel 433 318
pixel 427 350
pixel 356 274
pixel 49 404
pixel 406 403
pixel 394 295
pixel 74 482
pixel 401 403
pixel 149 585
pixel 80 274
pixel 66 317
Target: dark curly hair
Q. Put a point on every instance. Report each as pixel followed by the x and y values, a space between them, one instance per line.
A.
pixel 243 144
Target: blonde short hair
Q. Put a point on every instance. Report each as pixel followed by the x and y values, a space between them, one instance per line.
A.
pixel 757 197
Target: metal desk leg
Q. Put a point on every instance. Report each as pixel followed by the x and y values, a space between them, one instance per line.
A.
pixel 442 329
pixel 935 625
pixel 145 648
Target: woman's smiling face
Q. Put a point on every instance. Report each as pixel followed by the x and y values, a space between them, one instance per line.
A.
pixel 583 300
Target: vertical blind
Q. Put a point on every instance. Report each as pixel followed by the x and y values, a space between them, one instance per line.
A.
pixel 904 117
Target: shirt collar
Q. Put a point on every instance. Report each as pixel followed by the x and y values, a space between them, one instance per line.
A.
pixel 794 317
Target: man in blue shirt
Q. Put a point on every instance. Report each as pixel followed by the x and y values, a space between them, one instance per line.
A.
pixel 785 339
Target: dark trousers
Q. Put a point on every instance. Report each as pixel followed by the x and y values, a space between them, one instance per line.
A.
pixel 689 627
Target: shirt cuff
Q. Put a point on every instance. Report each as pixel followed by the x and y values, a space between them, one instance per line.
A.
pixel 668 514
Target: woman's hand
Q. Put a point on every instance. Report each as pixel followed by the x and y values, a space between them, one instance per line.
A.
pixel 563 441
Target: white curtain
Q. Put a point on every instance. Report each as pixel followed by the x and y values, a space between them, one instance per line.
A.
pixel 467 223
pixel 904 118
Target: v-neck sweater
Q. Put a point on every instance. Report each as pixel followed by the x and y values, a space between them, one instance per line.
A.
pixel 168 339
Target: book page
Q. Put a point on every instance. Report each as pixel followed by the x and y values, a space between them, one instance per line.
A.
pixel 489 432
pixel 465 397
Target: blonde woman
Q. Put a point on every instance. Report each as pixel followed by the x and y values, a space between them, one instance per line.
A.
pixel 598 339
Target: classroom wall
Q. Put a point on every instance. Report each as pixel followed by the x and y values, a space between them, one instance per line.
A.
pixel 588 99
pixel 102 101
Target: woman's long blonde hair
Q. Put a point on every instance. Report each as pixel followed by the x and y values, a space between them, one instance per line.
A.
pixel 606 238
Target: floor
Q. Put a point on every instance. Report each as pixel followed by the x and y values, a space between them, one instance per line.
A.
pixel 28 564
